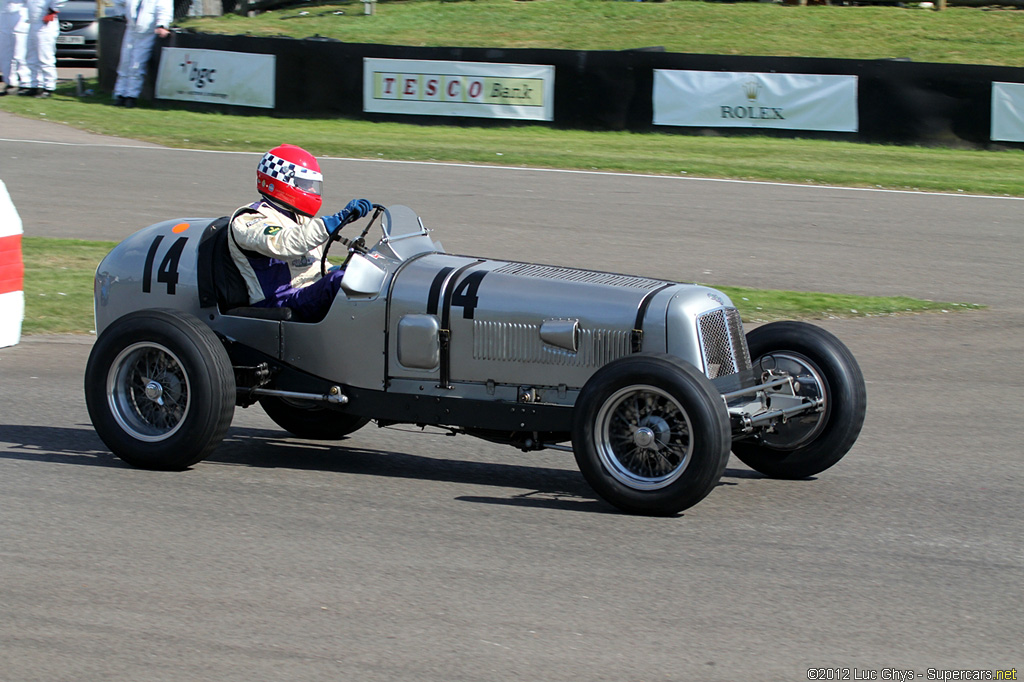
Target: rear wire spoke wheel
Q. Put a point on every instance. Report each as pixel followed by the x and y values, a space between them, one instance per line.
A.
pixel 651 434
pixel 160 389
pixel 148 392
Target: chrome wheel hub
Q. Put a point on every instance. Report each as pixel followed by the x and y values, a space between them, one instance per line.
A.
pixel 154 391
pixel 643 437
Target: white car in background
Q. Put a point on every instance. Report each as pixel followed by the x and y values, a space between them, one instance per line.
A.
pixel 79 30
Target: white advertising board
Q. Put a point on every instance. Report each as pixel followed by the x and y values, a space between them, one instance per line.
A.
pixel 239 78
pixel 478 89
pixel 785 101
pixel 1007 112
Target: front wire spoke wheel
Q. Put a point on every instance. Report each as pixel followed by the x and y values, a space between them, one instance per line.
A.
pixel 651 434
pixel 642 435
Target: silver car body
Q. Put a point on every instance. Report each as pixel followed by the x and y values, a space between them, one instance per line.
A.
pixel 650 380
pixel 412 319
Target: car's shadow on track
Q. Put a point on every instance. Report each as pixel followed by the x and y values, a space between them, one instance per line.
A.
pixel 545 487
pixel 264 448
pixel 63 445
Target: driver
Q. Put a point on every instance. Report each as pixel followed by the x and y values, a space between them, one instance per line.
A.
pixel 277 243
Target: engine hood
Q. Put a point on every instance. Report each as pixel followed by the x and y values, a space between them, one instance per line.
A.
pixel 524 323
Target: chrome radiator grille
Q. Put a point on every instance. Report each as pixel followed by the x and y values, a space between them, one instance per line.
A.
pixel 722 342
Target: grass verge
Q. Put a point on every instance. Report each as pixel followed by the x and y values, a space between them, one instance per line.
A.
pixel 957 35
pixel 59 293
pixel 765 305
pixel 58 284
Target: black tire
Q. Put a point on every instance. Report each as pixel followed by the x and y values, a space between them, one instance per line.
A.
pixel 306 419
pixel 807 445
pixel 160 389
pixel 651 434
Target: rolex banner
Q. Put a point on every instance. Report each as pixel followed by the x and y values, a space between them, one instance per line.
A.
pixel 440 88
pixel 1007 112
pixel 787 101
pixel 216 76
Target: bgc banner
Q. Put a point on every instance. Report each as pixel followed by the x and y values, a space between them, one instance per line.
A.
pixel 789 101
pixel 477 89
pixel 1007 112
pixel 217 76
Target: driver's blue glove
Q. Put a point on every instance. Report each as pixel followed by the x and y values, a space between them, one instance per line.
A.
pixel 355 209
pixel 359 208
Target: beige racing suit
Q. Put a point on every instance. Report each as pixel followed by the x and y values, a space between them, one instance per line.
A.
pixel 278 253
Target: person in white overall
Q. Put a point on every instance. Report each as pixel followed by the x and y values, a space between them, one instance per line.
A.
pixel 13 38
pixel 41 47
pixel 145 20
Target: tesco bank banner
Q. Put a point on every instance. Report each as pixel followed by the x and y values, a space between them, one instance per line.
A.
pixel 789 101
pixel 440 88
pixel 218 76
pixel 1007 112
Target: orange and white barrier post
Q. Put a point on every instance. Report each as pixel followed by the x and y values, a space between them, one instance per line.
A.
pixel 12 271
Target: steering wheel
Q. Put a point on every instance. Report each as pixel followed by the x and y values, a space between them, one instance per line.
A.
pixel 357 245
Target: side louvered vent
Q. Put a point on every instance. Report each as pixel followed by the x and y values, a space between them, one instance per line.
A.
pixel 511 342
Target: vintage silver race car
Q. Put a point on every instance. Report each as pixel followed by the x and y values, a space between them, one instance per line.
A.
pixel 652 382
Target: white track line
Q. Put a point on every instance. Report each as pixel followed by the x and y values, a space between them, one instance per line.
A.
pixel 535 170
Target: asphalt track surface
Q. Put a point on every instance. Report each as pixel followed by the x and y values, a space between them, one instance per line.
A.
pixel 406 556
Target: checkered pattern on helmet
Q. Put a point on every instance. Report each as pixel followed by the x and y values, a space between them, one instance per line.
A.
pixel 276 167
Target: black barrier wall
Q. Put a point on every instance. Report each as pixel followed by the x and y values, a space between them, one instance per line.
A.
pixel 898 101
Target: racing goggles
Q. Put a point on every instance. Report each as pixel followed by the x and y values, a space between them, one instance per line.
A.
pixel 308 181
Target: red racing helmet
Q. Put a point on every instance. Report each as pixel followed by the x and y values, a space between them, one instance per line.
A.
pixel 290 175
